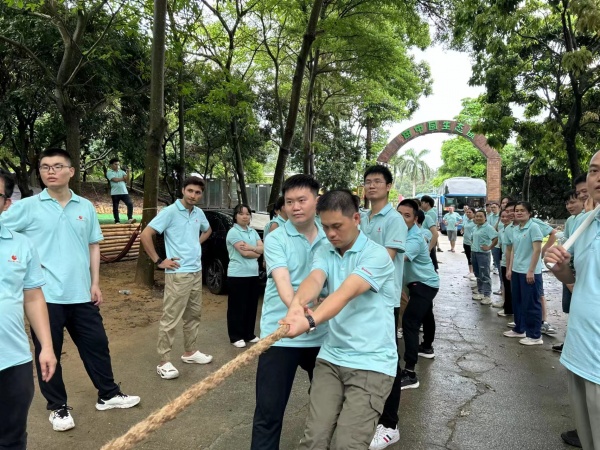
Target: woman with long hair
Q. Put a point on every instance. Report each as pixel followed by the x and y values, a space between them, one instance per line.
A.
pixel 245 247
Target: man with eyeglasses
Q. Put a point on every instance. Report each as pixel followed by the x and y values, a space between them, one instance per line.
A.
pixel 64 229
pixel 118 179
pixel 21 279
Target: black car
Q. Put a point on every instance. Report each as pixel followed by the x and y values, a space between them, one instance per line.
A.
pixel 215 257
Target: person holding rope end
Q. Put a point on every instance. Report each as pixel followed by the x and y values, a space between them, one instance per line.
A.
pixel 185 228
pixel 358 360
pixel 65 231
pixel 580 352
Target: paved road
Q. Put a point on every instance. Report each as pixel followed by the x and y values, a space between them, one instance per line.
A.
pixel 482 391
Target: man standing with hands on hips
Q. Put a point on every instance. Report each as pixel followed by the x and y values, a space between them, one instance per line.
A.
pixel 182 222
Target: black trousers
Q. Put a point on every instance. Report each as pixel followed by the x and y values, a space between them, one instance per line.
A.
pixel 242 304
pixel 125 199
pixel 418 311
pixel 274 379
pixel 508 303
pixel 16 394
pixel 84 324
pixel 389 416
pixel 433 255
pixel 468 253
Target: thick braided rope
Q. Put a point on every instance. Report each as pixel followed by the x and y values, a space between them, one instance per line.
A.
pixel 139 432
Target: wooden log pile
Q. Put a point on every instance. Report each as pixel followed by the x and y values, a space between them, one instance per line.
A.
pixel 116 237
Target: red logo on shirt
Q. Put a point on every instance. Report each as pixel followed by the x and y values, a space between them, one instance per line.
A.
pixel 365 270
pixel 80 218
pixel 14 259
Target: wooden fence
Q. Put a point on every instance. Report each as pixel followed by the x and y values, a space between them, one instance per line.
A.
pixel 116 238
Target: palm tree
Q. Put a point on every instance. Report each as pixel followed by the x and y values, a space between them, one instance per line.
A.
pixel 411 163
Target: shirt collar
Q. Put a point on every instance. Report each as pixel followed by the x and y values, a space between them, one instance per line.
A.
pixel 292 231
pixel 526 225
pixel 5 232
pixel 357 247
pixel 240 228
pixel 44 195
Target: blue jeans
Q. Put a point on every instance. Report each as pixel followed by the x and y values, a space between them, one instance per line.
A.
pixel 527 305
pixel 481 269
pixel 497 256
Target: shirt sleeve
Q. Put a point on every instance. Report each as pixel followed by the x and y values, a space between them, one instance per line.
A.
pixel 34 278
pixel 374 266
pixel 95 235
pixel 413 248
pixel 535 233
pixel 493 233
pixel 274 252
pixel 428 222
pixel 204 223
pixel 161 221
pixel 395 234
pixel 233 237
pixel 110 174
pixel 17 218
pixel 321 259
pixel 544 227
pixel 508 236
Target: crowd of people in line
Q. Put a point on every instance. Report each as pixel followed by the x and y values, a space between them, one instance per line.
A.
pixel 347 283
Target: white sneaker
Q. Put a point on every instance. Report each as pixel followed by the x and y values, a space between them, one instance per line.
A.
pixel 477 296
pixel 486 300
pixel 472 277
pixel 501 313
pixel 399 333
pixel 511 324
pixel 495 271
pixel 167 371
pixel 239 344
pixel 384 437
pixel 197 358
pixel 120 401
pixel 255 340
pixel 513 334
pixel 531 341
pixel 497 305
pixel 467 275
pixel 61 419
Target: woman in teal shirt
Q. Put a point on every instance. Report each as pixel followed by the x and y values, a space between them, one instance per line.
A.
pixel 245 247
pixel 524 270
pixel 468 227
pixel 485 237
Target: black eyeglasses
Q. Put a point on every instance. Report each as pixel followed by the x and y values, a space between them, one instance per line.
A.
pixel 5 196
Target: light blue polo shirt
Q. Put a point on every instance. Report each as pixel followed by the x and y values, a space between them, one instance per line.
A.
pixel 61 237
pixel 433 214
pixel 483 235
pixel 570 224
pixel 278 220
pixel 362 335
pixel 182 235
pixel 580 353
pixel 504 236
pixel 286 247
pixel 238 265
pixel 116 187
pixel 468 227
pixel 419 267
pixel 429 221
pixel 19 270
pixel 426 234
pixel 493 219
pixel 388 229
pixel 544 227
pixel 452 220
pixel 522 240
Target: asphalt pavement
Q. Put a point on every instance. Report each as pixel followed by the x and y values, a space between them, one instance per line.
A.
pixel 482 390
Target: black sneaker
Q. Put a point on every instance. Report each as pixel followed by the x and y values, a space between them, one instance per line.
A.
pixel 426 352
pixel 558 348
pixel 408 380
pixel 571 438
pixel 440 250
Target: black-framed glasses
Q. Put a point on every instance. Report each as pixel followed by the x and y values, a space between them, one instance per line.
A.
pixel 5 196
pixel 55 168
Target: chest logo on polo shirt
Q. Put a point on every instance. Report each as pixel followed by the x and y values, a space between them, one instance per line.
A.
pixel 81 218
pixel 379 230
pixel 14 259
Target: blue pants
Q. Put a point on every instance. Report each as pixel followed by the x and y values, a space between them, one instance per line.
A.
pixel 527 305
pixel 497 256
pixel 481 269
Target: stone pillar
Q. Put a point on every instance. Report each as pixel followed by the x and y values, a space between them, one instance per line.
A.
pixel 494 177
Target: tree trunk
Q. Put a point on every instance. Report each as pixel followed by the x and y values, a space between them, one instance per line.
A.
pixel 368 147
pixel 181 111
pixel 239 163
pixel 145 267
pixel 527 181
pixel 72 124
pixel 309 115
pixel 290 126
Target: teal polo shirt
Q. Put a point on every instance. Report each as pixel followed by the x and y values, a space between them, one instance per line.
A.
pixel 580 353
pixel 429 221
pixel 182 228
pixel 426 234
pixel 19 270
pixel 238 265
pixel 362 335
pixel 522 239
pixel 493 219
pixel 504 236
pixel 483 235
pixel 544 227
pixel 468 227
pixel 432 213
pixel 570 224
pixel 116 187
pixel 62 237
pixel 388 229
pixel 278 220
pixel 418 267
pixel 286 247
pixel 452 220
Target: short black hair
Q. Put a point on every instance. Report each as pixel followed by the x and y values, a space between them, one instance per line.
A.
pixel 300 181
pixel 572 193
pixel 9 182
pixel 410 202
pixel 420 217
pixel 238 209
pixel 279 203
pixel 495 203
pixel 527 206
pixel 428 199
pixel 50 152
pixel 507 198
pixel 510 204
pixel 580 179
pixel 339 200
pixel 195 181
pixel 482 211
pixel 382 170
pixel 113 160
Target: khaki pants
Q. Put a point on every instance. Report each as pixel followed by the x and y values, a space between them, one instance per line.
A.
pixel 345 405
pixel 183 299
pixel 585 401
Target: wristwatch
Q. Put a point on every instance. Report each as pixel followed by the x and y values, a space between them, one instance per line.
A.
pixel 312 326
pixel 159 261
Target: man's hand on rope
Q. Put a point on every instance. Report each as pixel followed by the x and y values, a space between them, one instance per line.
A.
pixel 296 319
